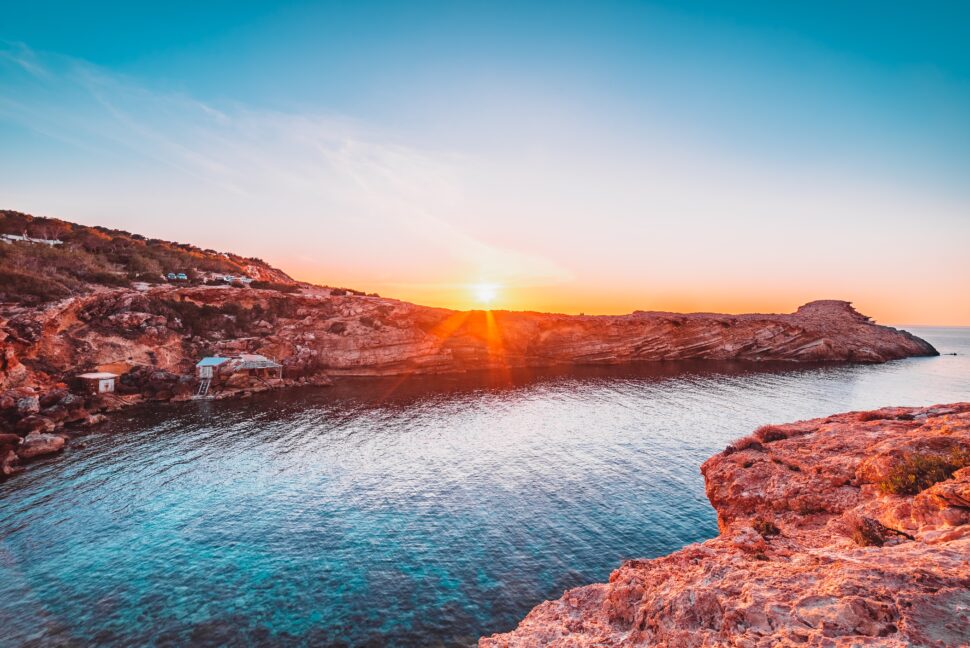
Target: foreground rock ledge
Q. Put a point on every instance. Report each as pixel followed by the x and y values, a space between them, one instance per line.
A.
pixel 785 570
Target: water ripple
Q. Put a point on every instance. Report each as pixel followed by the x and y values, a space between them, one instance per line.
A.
pixel 424 515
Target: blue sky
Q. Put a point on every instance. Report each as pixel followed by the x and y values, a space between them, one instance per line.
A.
pixel 586 156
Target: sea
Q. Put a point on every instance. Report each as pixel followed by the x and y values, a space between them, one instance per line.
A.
pixel 399 512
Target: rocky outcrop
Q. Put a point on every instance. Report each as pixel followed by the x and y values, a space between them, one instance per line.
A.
pixel 9 461
pixel 36 445
pixel 852 530
pixel 157 334
pixel 314 330
pixel 114 315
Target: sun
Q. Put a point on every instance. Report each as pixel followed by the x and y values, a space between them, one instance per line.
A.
pixel 485 293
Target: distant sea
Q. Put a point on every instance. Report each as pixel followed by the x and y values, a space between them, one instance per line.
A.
pixel 415 513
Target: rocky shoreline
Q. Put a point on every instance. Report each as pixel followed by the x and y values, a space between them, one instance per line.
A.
pixel 850 530
pixel 156 334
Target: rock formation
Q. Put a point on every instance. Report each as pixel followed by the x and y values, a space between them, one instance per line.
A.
pixel 157 334
pixel 852 530
pixel 109 306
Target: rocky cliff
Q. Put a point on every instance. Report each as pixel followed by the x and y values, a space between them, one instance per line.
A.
pixel 106 306
pixel 852 530
pixel 154 335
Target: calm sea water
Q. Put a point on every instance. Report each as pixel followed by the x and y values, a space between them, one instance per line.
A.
pixel 394 513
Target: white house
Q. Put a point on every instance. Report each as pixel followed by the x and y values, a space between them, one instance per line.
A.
pixel 99 382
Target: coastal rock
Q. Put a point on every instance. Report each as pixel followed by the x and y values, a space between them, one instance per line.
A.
pixel 816 548
pixel 12 440
pixel 9 462
pixel 8 454
pixel 94 419
pixel 154 333
pixel 354 335
pixel 35 424
pixel 28 405
pixel 36 445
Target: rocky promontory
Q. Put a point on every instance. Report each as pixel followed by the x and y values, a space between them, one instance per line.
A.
pixel 851 530
pixel 80 299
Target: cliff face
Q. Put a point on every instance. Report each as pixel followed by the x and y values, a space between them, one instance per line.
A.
pixel 154 336
pixel 317 330
pixel 76 299
pixel 845 531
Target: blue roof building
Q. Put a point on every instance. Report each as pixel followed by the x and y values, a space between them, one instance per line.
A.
pixel 212 361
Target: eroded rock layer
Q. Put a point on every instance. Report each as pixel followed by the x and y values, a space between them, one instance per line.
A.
pixel 852 530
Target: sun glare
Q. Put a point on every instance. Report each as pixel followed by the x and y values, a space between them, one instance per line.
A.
pixel 485 293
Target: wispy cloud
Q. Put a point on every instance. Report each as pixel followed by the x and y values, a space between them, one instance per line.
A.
pixel 320 181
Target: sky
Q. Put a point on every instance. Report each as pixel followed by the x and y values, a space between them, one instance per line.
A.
pixel 597 157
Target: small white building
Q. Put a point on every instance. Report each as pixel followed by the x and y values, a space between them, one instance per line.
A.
pixel 10 238
pixel 99 382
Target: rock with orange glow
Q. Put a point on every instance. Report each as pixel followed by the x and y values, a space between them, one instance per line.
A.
pixel 811 550
pixel 319 331
pixel 155 335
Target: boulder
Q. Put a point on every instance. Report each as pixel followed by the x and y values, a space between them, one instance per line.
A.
pixel 94 419
pixel 28 405
pixel 7 439
pixel 9 463
pixel 36 445
pixel 54 397
pixel 35 424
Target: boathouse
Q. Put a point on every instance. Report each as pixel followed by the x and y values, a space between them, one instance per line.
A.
pixel 99 382
pixel 206 366
pixel 257 365
pixel 238 371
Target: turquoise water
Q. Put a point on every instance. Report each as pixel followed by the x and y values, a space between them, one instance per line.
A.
pixel 414 513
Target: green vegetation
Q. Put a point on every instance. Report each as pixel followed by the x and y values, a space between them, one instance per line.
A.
pixel 918 471
pixel 229 319
pixel 269 285
pixel 36 273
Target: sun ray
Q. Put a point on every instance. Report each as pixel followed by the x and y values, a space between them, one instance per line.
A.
pixel 442 331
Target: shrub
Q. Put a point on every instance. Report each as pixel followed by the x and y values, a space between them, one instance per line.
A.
pixel 269 285
pixel 866 532
pixel 917 472
pixel 769 433
pixel 30 287
pixel 746 443
pixel 147 277
pixel 765 527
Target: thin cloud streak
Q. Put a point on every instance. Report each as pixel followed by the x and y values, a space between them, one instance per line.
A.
pixel 310 166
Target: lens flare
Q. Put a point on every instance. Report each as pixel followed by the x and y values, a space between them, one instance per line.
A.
pixel 485 293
